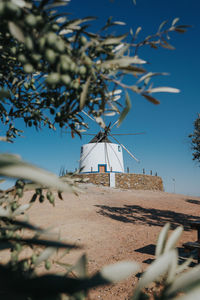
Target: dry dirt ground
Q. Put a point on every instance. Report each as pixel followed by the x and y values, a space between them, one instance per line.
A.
pixel 115 225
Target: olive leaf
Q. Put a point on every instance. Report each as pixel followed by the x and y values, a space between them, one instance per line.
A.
pixel 4 212
pixel 45 255
pixel 193 294
pixel 175 21
pixel 12 166
pixel 172 240
pixel 162 25
pixel 119 271
pixel 162 238
pixel 81 267
pixel 21 209
pixel 83 96
pixel 185 282
pixel 150 98
pixel 16 31
pixel 149 75
pixel 113 40
pixel 5 139
pixel 163 89
pixel 155 271
pixel 122 62
pixel 125 110
pixel 4 93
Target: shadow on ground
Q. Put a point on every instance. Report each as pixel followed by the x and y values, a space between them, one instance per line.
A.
pixel 183 255
pixel 146 216
pixel 193 201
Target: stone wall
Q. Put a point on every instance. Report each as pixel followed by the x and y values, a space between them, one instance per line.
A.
pixel 124 180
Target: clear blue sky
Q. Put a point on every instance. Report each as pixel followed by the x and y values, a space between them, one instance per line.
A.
pixel 165 148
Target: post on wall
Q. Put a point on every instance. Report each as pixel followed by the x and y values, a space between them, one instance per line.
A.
pixel 112 179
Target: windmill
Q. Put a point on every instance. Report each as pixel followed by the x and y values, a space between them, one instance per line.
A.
pixel 101 155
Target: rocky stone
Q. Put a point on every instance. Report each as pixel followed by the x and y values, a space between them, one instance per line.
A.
pixel 124 180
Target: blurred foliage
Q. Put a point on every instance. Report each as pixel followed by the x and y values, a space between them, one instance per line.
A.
pixel 195 139
pixel 53 66
pixel 30 247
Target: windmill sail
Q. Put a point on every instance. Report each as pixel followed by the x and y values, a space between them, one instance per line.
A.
pixel 125 148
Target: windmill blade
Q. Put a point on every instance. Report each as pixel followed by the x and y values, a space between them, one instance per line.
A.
pixel 124 148
pixel 88 116
pixel 98 120
pixel 106 156
pixel 114 124
pixel 119 161
pixel 136 133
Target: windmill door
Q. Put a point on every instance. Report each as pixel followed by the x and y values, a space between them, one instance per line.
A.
pixel 102 168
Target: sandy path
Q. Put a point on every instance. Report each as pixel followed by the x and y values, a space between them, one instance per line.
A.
pixel 116 225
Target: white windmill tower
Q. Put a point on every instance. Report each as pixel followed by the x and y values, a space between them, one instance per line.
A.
pixel 100 155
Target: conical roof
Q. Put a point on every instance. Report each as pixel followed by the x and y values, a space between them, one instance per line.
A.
pixel 101 137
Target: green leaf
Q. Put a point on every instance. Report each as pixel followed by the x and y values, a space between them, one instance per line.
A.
pixel 119 23
pixel 113 40
pixel 162 238
pixel 157 269
pixel 81 267
pixel 4 94
pixel 100 121
pixel 184 266
pixel 149 75
pixel 180 30
pixel 122 62
pixel 56 4
pixel 166 45
pixel 193 295
pixel 5 139
pixel 133 69
pixel 74 25
pixel 125 110
pixel 120 49
pixel 163 90
pixel 22 3
pixel 16 32
pixel 174 237
pixel 21 209
pixel 119 271
pixel 12 166
pixel 172 269
pixel 45 255
pixel 83 96
pixel 161 25
pixel 175 21
pixel 4 212
pixel 110 114
pixel 151 99
pixel 185 282
pixel 137 31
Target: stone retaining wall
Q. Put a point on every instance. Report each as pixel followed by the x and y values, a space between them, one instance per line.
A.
pixel 124 180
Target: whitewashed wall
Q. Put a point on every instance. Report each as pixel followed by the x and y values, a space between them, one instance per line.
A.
pixel 94 154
